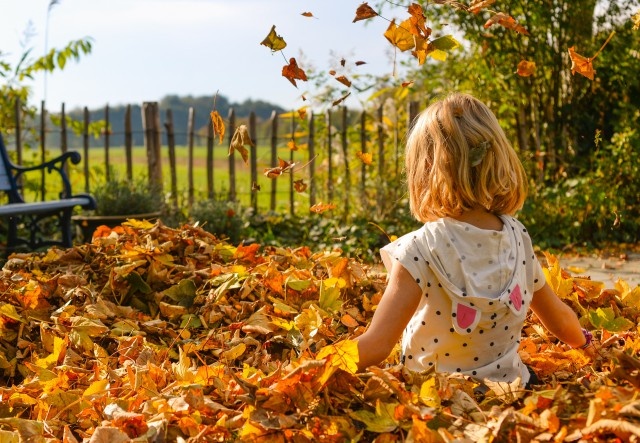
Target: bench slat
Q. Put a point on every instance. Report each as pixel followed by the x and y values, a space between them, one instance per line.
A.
pixel 42 207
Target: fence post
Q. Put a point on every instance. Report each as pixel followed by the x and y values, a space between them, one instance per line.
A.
pixel 43 135
pixel 64 147
pixel 106 143
pixel 345 155
pixel 190 126
pixel 128 142
pixel 291 190
pixel 210 138
pixel 413 113
pixel 363 149
pixel 171 142
pixel 85 145
pixel 312 160
pixel 253 161
pixel 274 156
pixel 18 133
pixel 329 159
pixel 380 187
pixel 232 157
pixel 151 124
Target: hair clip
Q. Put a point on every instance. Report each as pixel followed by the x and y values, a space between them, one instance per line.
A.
pixel 477 153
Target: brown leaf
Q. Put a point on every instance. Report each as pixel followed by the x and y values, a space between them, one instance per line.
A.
pixel 341 99
pixel 364 12
pixel 273 41
pixel 319 208
pixel 299 185
pixel 292 72
pixel 478 5
pixel 239 140
pixel 344 80
pixel 507 21
pixel 360 62
pixel 308 14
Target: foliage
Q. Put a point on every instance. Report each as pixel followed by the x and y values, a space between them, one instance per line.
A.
pixel 125 197
pixel 220 217
pixel 152 333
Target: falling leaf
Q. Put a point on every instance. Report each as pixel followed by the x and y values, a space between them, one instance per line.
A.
pixel 218 125
pixel 364 12
pixel 343 62
pixel 292 72
pixel 283 166
pixel 344 80
pixel 417 21
pixel 365 157
pixel 239 140
pixel 319 208
pixel 273 41
pixel 507 21
pixel 526 68
pixel 341 99
pixel 332 72
pixel 308 14
pixel 478 5
pixel 360 62
pixel 302 113
pixel 580 64
pixel 291 144
pixel 399 36
pixel 299 185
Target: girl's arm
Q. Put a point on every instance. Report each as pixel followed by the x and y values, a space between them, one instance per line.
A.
pixel 399 301
pixel 557 317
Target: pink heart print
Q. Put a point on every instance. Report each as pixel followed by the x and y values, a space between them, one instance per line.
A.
pixel 465 315
pixel 516 297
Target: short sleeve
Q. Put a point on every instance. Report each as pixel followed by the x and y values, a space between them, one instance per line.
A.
pixel 405 251
pixel 536 270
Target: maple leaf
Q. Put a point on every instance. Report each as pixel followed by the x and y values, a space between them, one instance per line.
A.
pixel 364 12
pixel 292 72
pixel 399 36
pixel 218 125
pixel 506 21
pixel 240 138
pixel 273 41
pixel 343 355
pixel 526 68
pixel 580 64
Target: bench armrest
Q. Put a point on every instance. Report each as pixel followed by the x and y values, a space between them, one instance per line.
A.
pixel 55 164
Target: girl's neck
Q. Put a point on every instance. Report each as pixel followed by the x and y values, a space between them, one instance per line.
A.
pixel 480 218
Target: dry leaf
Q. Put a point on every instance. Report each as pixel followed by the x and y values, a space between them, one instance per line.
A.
pixel 526 68
pixel 364 12
pixel 507 21
pixel 218 125
pixel 273 41
pixel 239 140
pixel 292 72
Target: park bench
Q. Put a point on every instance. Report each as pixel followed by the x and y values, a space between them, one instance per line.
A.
pixel 24 220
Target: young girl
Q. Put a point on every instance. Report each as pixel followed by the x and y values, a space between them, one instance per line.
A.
pixel 460 287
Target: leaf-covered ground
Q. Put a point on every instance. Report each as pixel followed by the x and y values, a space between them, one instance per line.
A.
pixel 159 334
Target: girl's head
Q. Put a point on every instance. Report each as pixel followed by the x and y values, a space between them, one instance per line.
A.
pixel 458 158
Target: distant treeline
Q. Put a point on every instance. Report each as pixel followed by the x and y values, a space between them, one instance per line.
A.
pixel 179 107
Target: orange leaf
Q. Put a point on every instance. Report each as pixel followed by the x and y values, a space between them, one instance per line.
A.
pixel 255 186
pixel 365 157
pixel 417 21
pixel 308 14
pixel 240 138
pixel 292 72
pixel 349 321
pixel 299 185
pixel 399 36
pixel 364 12
pixel 407 84
pixel 273 41
pixel 332 72
pixel 341 99
pixel 291 144
pixel 319 208
pixel 507 21
pixel 344 80
pixel 526 68
pixel 477 5
pixel 283 167
pixel 218 125
pixel 581 65
pixel 302 113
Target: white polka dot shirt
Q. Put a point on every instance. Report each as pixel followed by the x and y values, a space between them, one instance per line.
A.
pixel 477 286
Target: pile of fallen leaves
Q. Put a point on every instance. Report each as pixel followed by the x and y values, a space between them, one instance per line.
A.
pixel 158 334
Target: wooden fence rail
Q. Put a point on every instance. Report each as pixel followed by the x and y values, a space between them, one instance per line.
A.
pixel 335 142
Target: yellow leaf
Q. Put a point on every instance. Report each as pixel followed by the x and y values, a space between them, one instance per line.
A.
pixel 234 352
pixel 218 125
pixel 429 393
pixel 563 287
pixel 96 388
pixel 139 224
pixel 343 355
pixel 273 41
pixel 365 157
pixel 59 347
pixel 399 36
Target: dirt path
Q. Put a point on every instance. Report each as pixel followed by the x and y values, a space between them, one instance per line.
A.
pixel 605 268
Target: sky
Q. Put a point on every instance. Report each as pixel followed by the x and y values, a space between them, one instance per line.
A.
pixel 144 50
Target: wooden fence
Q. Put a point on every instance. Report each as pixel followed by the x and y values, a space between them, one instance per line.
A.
pixel 332 138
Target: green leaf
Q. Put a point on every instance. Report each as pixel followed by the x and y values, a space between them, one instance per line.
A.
pixel 379 421
pixel 445 43
pixel 330 299
pixel 298 285
pixel 137 283
pixel 184 293
pixel 606 319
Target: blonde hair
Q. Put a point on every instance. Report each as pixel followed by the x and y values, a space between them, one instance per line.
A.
pixel 458 158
